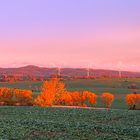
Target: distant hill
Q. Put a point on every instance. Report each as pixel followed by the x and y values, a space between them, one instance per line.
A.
pixel 32 70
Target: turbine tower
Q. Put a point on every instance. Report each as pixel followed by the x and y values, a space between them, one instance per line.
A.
pixel 119 67
pixel 59 71
pixel 88 70
pixel 120 74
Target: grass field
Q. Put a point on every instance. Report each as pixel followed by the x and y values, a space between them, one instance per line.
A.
pixel 119 87
pixel 33 123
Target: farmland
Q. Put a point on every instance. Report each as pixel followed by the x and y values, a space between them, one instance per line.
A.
pixel 73 123
pixel 51 123
pixel 119 87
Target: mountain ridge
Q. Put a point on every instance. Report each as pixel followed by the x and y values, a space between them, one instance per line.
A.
pixel 33 70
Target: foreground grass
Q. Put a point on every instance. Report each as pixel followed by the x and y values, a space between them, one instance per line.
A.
pixel 50 123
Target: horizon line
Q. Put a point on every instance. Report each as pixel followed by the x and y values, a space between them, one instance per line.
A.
pixel 67 67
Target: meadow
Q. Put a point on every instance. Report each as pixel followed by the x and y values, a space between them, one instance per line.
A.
pixel 34 123
pixel 37 123
pixel 118 87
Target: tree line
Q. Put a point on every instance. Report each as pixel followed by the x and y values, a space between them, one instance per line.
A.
pixel 53 92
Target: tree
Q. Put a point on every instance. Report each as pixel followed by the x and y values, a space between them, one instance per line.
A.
pixel 51 93
pixel 78 98
pixel 89 97
pixel 133 101
pixel 6 96
pixel 10 96
pixel 23 97
pixel 107 99
pixel 66 99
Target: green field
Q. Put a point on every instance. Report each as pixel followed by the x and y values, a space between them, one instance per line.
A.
pixel 33 123
pixel 119 87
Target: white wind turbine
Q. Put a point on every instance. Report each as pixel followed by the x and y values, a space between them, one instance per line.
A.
pixel 120 69
pixel 59 68
pixel 88 70
pixel 59 71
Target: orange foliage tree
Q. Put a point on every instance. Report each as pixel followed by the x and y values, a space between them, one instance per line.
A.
pixel 78 98
pixel 107 99
pixel 60 89
pixel 6 95
pixel 13 96
pixel 66 99
pixel 133 101
pixel 72 98
pixel 23 97
pixel 89 97
pixel 51 93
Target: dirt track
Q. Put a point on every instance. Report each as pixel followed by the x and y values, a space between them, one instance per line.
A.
pixel 57 106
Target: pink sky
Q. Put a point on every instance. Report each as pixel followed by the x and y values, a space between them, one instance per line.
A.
pixel 105 50
pixel 70 34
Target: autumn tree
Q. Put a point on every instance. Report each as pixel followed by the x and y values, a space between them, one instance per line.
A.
pixel 6 95
pixel 89 97
pixel 23 97
pixel 60 89
pixel 51 93
pixel 66 99
pixel 78 98
pixel 107 99
pixel 10 96
pixel 133 101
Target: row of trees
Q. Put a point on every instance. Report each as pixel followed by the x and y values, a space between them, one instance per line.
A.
pixel 54 93
pixel 10 96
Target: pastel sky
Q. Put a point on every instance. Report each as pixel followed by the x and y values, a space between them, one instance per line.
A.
pixel 70 33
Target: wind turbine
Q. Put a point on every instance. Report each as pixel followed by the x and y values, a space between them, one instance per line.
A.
pixel 59 68
pixel 59 71
pixel 88 70
pixel 119 69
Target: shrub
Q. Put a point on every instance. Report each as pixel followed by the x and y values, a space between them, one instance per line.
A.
pixel 90 97
pixel 78 98
pixel 72 98
pixel 133 101
pixel 133 86
pixel 23 97
pixel 107 99
pixel 13 96
pixel 6 95
pixel 66 99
